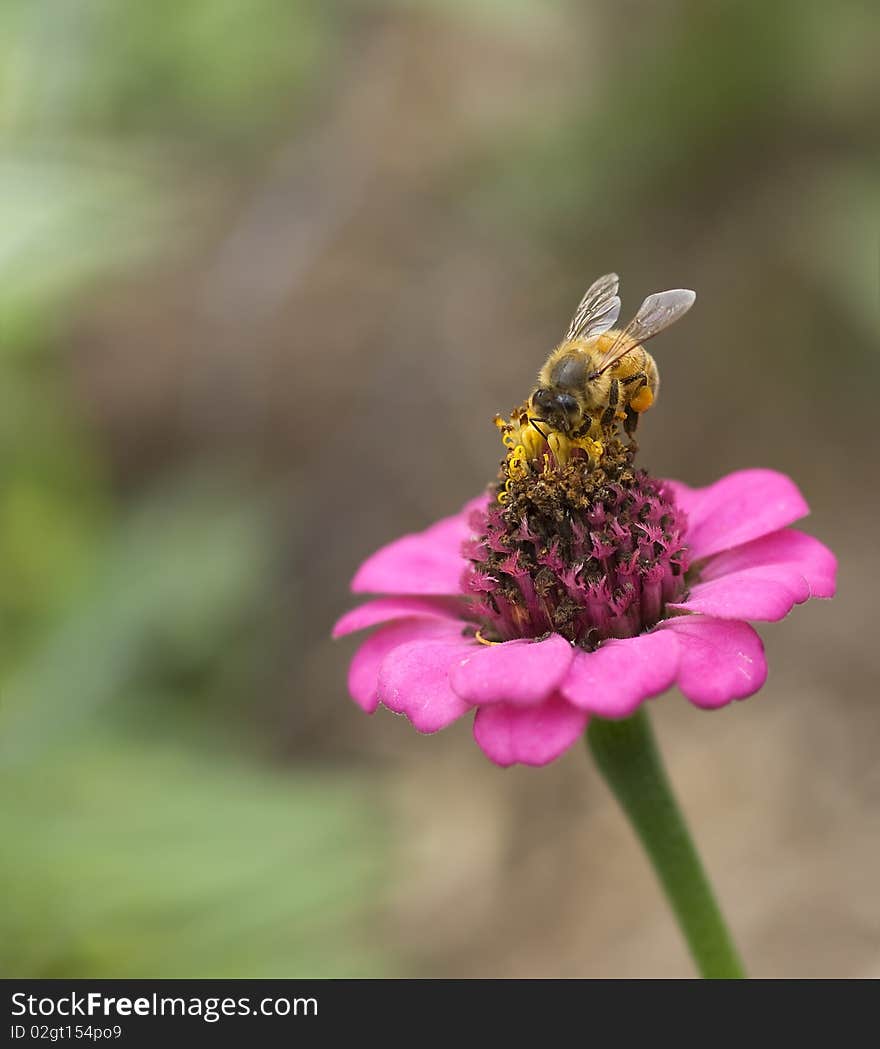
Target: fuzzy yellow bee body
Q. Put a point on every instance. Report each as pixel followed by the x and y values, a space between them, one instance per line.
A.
pixel 568 366
pixel 600 375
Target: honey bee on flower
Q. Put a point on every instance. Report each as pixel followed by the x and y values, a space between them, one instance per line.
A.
pixel 599 374
pixel 578 585
pixel 598 377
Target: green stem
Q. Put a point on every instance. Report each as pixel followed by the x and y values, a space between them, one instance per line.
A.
pixel 630 762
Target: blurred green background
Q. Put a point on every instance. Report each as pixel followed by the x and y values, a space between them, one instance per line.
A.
pixel 267 270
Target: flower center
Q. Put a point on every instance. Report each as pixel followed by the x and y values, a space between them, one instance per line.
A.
pixel 577 541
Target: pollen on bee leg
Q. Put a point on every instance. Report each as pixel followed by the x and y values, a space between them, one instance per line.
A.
pixel 642 400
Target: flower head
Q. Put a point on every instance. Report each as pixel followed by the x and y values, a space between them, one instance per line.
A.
pixel 580 586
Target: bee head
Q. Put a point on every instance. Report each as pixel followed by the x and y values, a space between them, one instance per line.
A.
pixel 556 407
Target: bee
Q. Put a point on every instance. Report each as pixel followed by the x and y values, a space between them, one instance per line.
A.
pixel 599 375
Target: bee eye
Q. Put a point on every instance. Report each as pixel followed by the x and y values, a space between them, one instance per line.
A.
pixel 542 399
pixel 566 402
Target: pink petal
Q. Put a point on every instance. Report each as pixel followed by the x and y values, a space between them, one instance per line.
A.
pixel 428 562
pixel 452 531
pixel 521 673
pixel 411 565
pixel 812 559
pixel 612 681
pixel 740 507
pixel 720 659
pixel 385 608
pixel 763 579
pixel 414 680
pixel 531 735
pixel 761 594
pixel 363 674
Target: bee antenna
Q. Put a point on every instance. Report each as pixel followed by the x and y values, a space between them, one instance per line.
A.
pixel 538 428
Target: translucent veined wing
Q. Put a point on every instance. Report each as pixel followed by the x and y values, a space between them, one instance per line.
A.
pixel 655 314
pixel 598 310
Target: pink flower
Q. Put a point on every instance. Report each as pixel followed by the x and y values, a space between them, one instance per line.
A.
pixel 588 644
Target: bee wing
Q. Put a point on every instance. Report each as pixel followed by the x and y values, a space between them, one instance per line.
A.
pixel 598 310
pixel 655 314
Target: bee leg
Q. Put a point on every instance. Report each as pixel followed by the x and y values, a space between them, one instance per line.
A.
pixel 631 422
pixel 586 425
pixel 640 398
pixel 613 397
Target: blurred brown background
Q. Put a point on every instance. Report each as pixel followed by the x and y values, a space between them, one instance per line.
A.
pixel 269 269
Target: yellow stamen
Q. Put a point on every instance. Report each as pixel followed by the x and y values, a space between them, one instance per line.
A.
pixel 594 449
pixel 517 465
pixel 561 447
pixel 532 442
pixel 479 637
